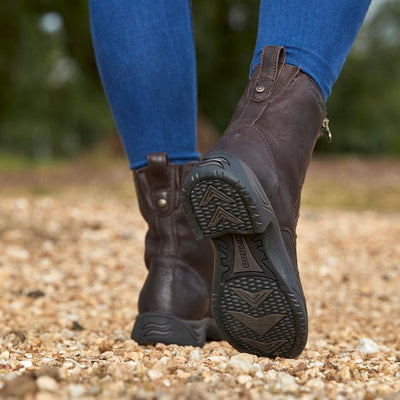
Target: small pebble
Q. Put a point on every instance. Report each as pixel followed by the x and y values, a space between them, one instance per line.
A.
pixel 35 294
pixel 76 391
pixel 106 345
pixel 194 355
pixel 46 396
pixel 76 326
pixel 26 363
pixel 153 374
pixel 287 382
pixel 239 365
pixel 47 383
pixel 344 374
pixel 367 346
pixel 243 379
pixel 14 338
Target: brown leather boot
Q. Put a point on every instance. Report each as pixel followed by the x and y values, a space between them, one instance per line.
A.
pixel 174 304
pixel 245 194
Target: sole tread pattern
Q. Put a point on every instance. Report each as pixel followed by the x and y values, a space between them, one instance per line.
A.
pixel 219 208
pixel 272 320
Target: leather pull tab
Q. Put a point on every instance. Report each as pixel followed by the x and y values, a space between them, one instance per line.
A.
pixel 157 171
pixel 272 61
pixel 162 181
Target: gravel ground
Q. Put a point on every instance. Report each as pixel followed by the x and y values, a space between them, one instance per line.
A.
pixel 71 268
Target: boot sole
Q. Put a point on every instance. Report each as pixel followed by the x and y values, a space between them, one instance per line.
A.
pixel 256 300
pixel 152 328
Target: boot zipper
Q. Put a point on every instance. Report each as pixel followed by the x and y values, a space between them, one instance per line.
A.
pixel 325 129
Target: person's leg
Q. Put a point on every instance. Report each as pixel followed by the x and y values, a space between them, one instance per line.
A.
pixel 317 35
pixel 145 55
pixel 245 192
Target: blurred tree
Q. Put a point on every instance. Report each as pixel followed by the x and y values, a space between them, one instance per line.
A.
pixel 365 105
pixel 225 34
pixel 52 103
pixel 364 108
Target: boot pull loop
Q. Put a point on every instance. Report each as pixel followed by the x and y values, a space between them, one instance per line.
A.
pixel 272 61
pixel 157 169
pixel 160 182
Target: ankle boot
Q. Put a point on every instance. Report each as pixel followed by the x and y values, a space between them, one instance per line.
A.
pixel 174 304
pixel 245 194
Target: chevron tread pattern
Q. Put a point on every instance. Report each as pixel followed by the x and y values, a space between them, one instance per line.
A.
pixel 219 208
pixel 263 330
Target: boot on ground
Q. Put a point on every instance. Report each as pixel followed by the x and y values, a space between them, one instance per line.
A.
pixel 245 195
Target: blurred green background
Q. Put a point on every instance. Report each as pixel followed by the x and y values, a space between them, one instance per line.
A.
pixel 52 104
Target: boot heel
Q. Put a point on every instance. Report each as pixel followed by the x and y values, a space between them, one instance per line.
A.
pixel 222 195
pixel 152 328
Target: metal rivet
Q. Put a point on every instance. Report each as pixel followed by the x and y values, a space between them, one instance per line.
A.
pixel 260 89
pixel 162 203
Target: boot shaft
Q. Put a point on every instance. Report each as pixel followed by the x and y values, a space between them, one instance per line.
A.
pixel 158 192
pixel 277 122
pixel 158 188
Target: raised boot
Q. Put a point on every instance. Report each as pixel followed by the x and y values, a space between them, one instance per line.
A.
pixel 174 303
pixel 245 194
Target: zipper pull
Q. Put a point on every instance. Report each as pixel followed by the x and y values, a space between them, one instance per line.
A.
pixel 325 129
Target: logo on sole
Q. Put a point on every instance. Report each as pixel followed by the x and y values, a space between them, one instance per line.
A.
pixel 244 260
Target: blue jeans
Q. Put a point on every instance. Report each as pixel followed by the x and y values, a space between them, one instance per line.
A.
pixel 146 59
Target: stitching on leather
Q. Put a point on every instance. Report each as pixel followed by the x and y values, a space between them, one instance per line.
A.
pixel 250 102
pixel 262 136
pixel 146 193
pixel 264 106
pixel 261 77
pixel 276 61
pixel 315 92
pixel 265 79
pixel 284 84
pixel 267 145
pixel 174 235
pixel 246 104
pixel 278 88
pixel 241 113
pixel 261 66
pixel 293 84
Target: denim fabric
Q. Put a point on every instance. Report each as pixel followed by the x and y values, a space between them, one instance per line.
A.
pixel 317 34
pixel 146 59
